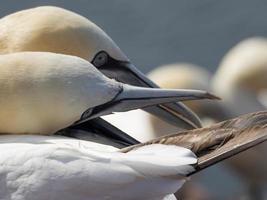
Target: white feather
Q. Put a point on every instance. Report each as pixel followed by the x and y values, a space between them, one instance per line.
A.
pixel 46 167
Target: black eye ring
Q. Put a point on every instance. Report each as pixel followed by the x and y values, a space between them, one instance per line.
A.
pixel 100 59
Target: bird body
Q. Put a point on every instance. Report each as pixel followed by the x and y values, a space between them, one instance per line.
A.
pixel 50 167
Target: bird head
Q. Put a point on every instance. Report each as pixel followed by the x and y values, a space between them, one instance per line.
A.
pixel 242 76
pixel 185 75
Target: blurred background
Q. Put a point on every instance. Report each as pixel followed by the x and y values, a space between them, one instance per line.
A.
pixel 153 33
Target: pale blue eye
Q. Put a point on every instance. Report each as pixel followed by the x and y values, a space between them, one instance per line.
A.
pixel 100 59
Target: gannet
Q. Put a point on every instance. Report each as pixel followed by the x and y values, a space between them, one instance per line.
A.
pixel 43 92
pixel 186 75
pixel 54 29
pixel 240 80
pixel 242 73
pixel 53 167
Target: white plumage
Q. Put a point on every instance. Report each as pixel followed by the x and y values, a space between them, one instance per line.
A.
pixel 50 167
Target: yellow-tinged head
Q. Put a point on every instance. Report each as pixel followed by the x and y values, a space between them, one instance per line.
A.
pixel 243 67
pixel 182 75
pixel 57 30
pixel 39 96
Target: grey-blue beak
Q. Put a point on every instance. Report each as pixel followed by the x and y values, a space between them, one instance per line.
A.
pixel 174 113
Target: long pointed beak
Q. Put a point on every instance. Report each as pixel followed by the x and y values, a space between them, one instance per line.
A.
pixel 133 97
pixel 175 113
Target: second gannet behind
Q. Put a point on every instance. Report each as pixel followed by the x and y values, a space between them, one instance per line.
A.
pixel 239 81
pixel 243 73
pixel 185 75
pixel 57 30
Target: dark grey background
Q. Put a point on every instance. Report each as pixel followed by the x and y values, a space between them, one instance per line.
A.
pixel 156 32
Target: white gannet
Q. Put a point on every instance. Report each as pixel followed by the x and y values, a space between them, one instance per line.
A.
pixel 43 92
pixel 242 73
pixel 185 75
pixel 34 167
pixel 54 29
pixel 240 80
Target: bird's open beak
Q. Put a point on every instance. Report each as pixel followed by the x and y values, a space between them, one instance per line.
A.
pixel 133 97
pixel 175 113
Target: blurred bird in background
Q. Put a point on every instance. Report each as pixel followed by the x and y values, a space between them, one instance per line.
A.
pixel 241 81
pixel 185 75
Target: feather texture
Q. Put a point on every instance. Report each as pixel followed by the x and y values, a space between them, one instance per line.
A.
pixel 49 167
pixel 219 141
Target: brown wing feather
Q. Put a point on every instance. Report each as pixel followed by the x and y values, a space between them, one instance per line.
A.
pixel 219 141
